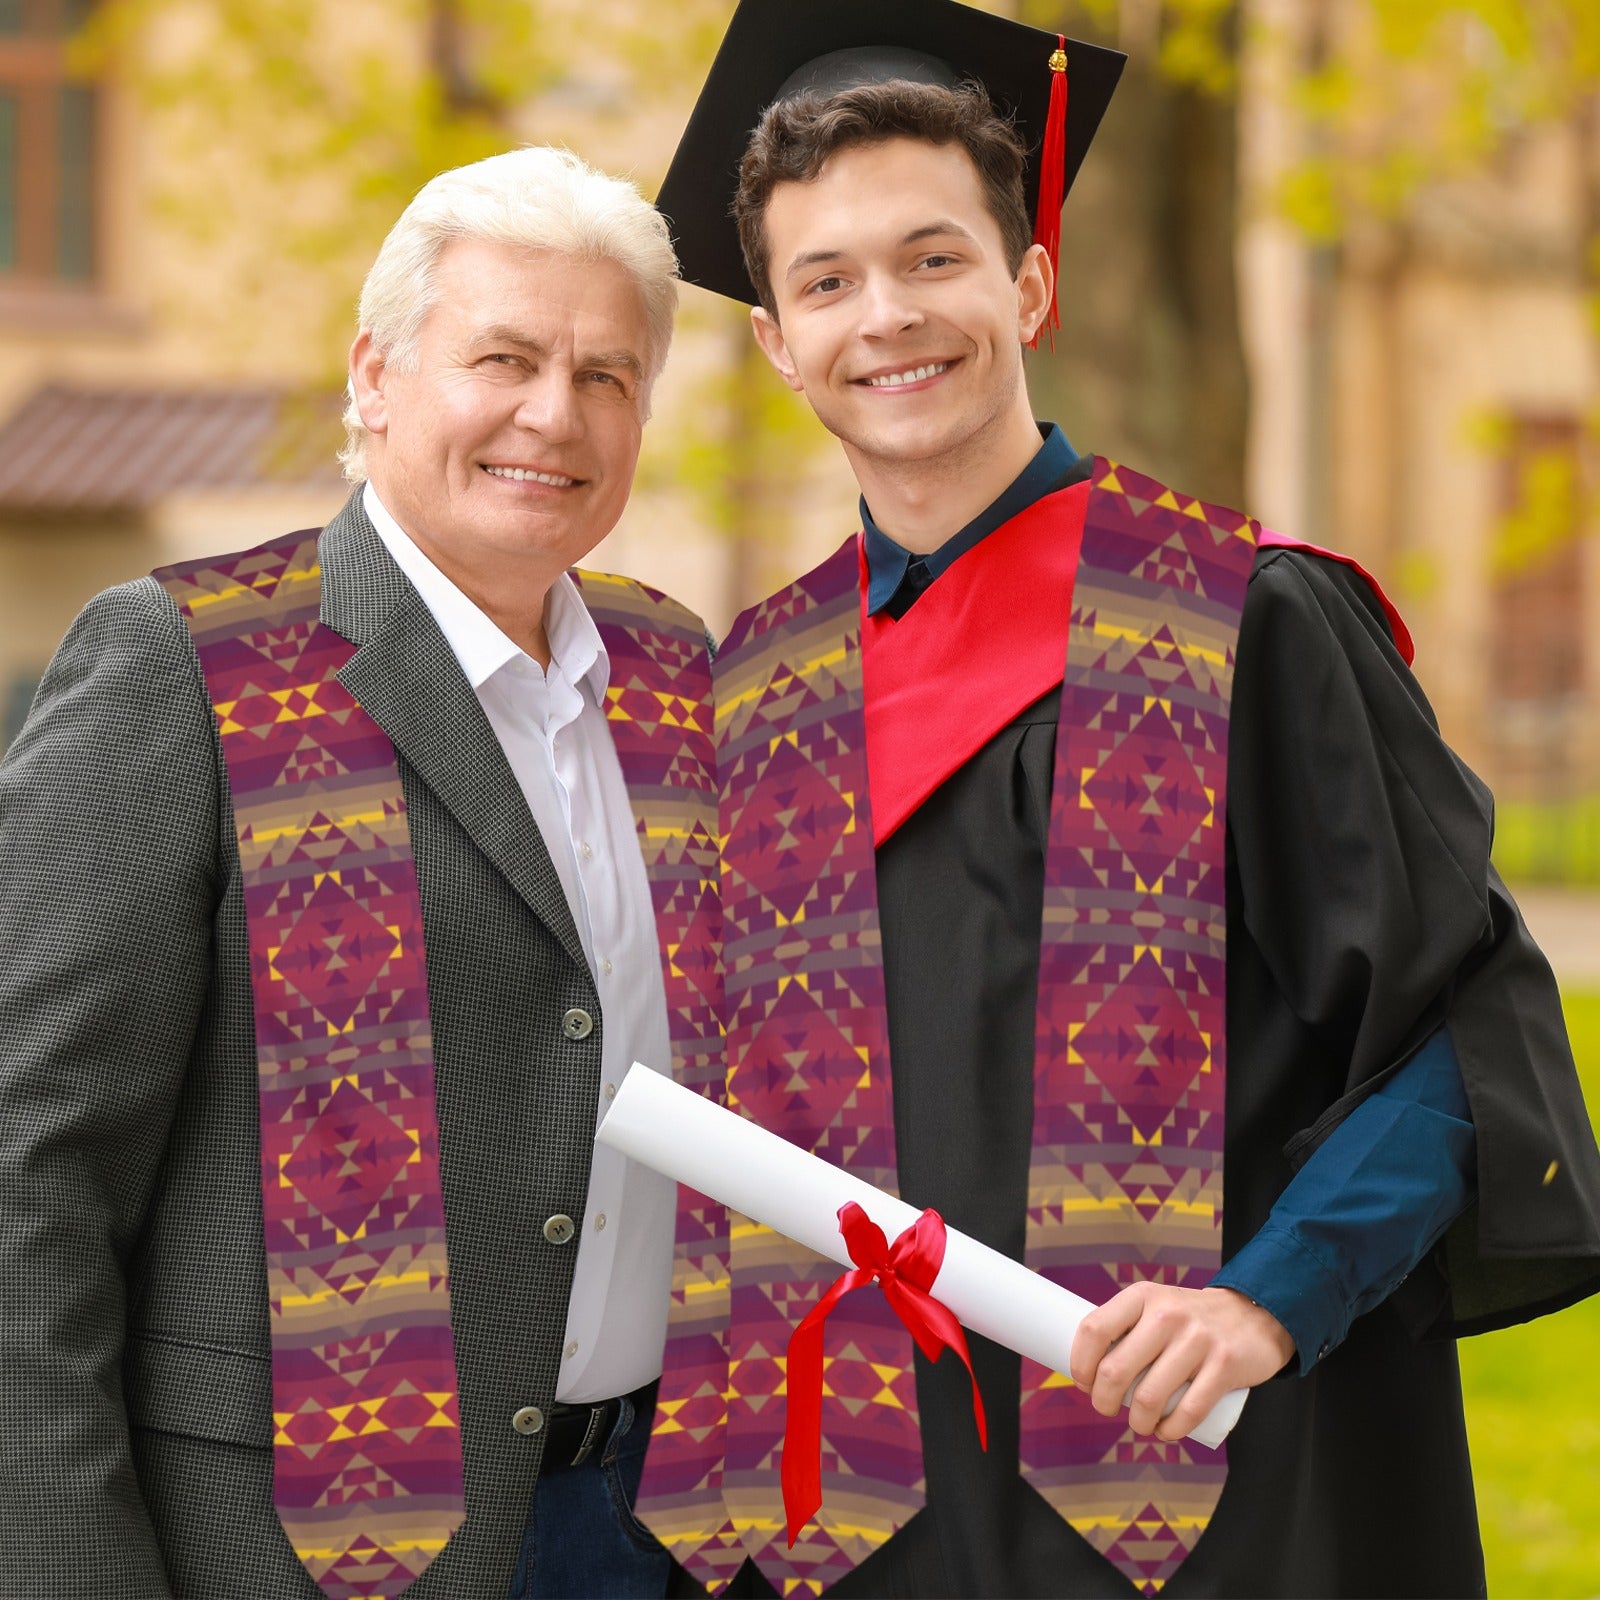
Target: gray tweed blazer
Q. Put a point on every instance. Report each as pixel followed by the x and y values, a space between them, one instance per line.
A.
pixel 135 1445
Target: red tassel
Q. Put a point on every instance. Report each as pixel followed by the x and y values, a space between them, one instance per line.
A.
pixel 1052 183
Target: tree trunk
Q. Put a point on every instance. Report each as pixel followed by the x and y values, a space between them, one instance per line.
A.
pixel 1149 367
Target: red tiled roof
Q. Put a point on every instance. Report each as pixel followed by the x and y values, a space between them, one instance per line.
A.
pixel 66 450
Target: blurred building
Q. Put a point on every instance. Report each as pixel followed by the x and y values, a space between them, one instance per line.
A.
pixel 1425 395
pixel 1422 393
pixel 121 446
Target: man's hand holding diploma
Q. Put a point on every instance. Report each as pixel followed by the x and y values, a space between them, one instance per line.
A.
pixel 1215 1340
pixel 772 1182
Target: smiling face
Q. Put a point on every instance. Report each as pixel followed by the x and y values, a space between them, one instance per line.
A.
pixel 898 316
pixel 509 447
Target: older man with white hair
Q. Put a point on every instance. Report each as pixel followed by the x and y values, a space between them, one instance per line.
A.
pixel 342 880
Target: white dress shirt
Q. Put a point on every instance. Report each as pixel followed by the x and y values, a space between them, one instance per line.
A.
pixel 551 726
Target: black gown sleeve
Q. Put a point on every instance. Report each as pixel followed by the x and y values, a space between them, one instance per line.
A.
pixel 1359 848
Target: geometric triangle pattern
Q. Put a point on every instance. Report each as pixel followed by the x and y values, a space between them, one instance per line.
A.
pixel 808 1058
pixel 659 712
pixel 1130 1061
pixel 367 1472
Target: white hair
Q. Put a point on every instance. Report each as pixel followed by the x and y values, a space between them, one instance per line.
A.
pixel 537 197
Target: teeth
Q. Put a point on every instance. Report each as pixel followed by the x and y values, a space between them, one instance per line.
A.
pixel 915 375
pixel 518 475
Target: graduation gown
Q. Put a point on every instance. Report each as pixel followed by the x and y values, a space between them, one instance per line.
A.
pixel 1363 912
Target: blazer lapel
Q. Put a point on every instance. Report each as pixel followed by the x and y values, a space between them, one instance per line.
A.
pixel 407 678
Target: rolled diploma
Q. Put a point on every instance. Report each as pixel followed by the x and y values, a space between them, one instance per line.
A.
pixel 682 1135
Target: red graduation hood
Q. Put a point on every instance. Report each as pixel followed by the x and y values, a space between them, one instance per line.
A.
pixel 981 645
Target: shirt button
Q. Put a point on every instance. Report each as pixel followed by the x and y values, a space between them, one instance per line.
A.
pixel 559 1229
pixel 611 1091
pixel 606 967
pixel 571 1350
pixel 600 1222
pixel 577 1023
pixel 588 851
pixel 530 1419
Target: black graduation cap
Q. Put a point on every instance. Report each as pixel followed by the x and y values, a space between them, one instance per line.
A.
pixel 777 48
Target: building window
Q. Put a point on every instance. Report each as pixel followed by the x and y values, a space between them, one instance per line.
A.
pixel 48 136
pixel 1540 636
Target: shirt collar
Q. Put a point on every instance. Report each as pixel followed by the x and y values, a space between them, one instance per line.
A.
pixel 887 561
pixel 575 642
pixel 476 640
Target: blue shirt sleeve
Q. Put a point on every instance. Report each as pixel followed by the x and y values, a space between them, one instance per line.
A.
pixel 1367 1206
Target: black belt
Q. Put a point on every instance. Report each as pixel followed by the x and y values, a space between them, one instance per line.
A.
pixel 574 1433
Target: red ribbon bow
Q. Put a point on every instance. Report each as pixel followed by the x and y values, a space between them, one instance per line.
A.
pixel 906 1270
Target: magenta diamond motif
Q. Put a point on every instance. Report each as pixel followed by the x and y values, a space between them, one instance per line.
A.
pixel 787 847
pixel 1142 1044
pixel 347 1160
pixel 799 1069
pixel 698 956
pixel 1149 796
pixel 334 952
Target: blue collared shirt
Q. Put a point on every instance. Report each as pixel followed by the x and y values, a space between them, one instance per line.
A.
pixel 1367 1206
pixel 1375 1197
pixel 894 574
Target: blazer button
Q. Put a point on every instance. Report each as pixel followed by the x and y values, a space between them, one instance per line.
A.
pixel 577 1024
pixel 559 1229
pixel 530 1419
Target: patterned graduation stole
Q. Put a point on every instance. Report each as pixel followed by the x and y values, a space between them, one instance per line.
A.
pixel 809 1057
pixel 658 707
pixel 1130 1063
pixel 1130 1050
pixel 367 1474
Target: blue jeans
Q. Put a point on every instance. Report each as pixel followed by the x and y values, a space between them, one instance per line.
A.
pixel 583 1541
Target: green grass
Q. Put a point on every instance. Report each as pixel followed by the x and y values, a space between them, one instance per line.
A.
pixel 1548 842
pixel 1533 1414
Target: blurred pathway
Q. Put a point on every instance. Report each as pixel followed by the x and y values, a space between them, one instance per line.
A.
pixel 1566 922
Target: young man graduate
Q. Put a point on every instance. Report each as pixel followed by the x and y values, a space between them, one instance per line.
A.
pixel 1042 915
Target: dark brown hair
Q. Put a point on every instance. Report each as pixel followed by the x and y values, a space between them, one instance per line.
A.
pixel 796 137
